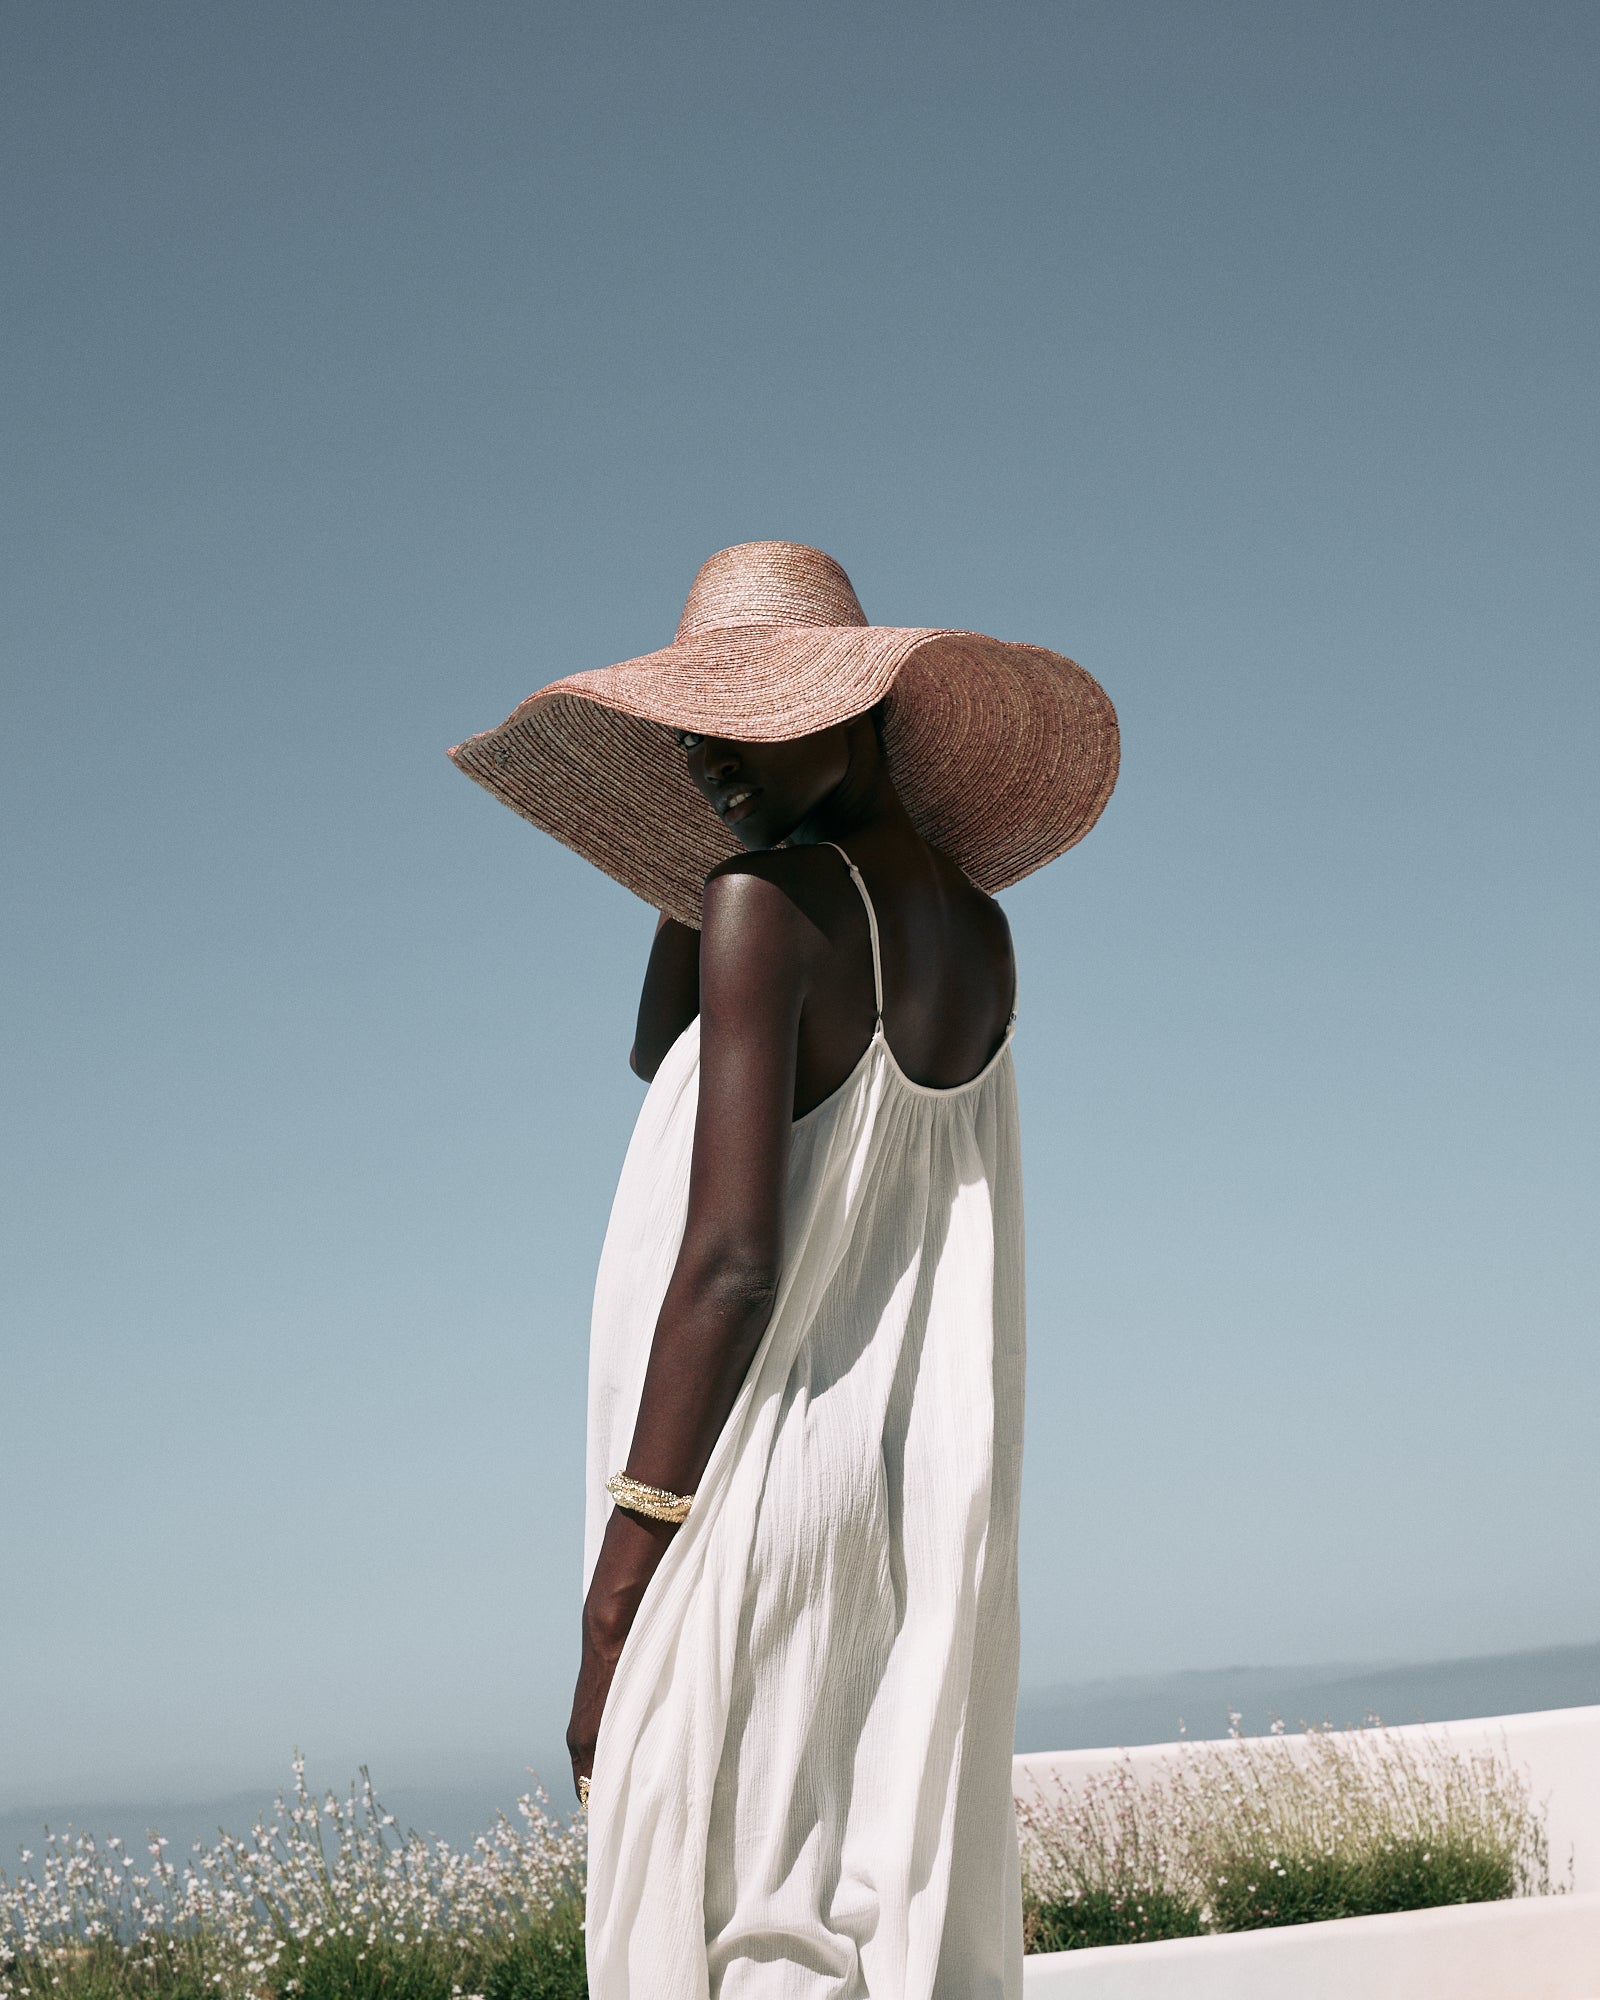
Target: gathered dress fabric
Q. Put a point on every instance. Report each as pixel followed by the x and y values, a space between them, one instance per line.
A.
pixel 802 1780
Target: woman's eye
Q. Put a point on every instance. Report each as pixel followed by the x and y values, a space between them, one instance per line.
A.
pixel 687 739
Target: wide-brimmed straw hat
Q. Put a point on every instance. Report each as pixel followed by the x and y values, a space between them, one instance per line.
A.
pixel 1004 754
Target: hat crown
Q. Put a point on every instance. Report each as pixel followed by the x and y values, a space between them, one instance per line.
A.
pixel 768 583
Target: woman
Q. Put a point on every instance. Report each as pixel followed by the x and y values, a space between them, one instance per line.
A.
pixel 798 1682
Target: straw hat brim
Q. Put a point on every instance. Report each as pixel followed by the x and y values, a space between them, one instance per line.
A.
pixel 1004 754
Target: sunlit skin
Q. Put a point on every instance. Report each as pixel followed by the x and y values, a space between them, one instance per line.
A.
pixel 781 977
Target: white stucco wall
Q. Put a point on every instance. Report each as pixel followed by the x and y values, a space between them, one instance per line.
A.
pixel 1541 1948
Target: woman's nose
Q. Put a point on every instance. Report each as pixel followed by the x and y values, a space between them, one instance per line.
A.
pixel 722 759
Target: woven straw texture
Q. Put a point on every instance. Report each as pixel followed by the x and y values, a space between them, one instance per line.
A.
pixel 1005 755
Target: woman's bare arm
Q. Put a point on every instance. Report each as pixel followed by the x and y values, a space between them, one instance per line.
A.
pixel 755 952
pixel 670 997
pixel 756 956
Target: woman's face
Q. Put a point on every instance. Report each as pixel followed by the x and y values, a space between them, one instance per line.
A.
pixel 762 791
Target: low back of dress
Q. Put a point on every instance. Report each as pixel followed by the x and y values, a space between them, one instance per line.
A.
pixel 802 1784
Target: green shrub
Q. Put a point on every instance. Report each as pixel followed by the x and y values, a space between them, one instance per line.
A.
pixel 1276 1831
pixel 1098 1870
pixel 1352 1824
pixel 1103 1916
pixel 1309 1887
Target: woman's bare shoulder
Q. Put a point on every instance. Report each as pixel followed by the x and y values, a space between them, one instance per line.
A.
pixel 990 930
pixel 778 886
pixel 759 912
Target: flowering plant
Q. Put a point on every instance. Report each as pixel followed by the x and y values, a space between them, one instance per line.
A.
pixel 321 1894
pixel 1276 1830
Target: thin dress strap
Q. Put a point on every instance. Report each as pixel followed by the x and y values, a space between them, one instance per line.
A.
pixel 872 926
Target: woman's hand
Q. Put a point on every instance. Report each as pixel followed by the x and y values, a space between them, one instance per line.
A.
pixel 599 1664
pixel 630 1551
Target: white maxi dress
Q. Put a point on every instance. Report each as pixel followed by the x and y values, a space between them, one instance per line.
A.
pixel 802 1780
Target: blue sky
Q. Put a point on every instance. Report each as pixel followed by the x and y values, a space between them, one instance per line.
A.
pixel 370 366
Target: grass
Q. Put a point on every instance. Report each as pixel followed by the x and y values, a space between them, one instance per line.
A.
pixel 1276 1831
pixel 546 1963
pixel 161 1969
pixel 541 1963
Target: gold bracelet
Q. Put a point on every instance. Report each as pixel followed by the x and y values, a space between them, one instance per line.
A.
pixel 583 1793
pixel 655 1501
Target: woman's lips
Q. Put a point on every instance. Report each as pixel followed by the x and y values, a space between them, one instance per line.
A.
pixel 738 802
